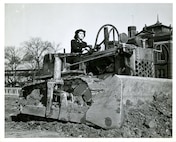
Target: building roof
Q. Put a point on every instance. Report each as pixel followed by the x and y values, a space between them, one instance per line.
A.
pixel 157 24
pixel 149 31
pixel 145 32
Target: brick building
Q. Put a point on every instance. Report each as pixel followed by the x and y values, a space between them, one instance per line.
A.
pixel 158 37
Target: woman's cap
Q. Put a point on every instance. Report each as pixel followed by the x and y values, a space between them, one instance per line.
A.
pixel 80 30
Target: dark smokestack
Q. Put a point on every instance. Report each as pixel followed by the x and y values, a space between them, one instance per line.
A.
pixel 131 31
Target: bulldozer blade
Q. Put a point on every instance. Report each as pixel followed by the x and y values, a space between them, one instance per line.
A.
pixel 108 108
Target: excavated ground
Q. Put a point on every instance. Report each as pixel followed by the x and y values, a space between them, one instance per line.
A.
pixel 152 119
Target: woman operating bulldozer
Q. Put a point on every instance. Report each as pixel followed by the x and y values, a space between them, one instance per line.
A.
pixel 77 44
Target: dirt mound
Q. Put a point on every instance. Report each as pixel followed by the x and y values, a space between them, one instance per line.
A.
pixel 149 119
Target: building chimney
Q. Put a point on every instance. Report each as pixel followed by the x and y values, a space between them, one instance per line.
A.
pixel 131 31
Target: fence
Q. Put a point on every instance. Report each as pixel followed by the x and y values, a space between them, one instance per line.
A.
pixel 12 91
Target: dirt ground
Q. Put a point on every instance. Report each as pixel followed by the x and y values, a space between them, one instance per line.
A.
pixel 147 120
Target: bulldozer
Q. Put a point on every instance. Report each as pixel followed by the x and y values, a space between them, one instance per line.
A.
pixel 94 88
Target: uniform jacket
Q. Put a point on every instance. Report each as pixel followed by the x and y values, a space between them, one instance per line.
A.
pixel 77 46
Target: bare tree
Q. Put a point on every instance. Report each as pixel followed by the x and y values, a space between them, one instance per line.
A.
pixel 12 60
pixel 35 51
pixel 55 48
pixel 12 57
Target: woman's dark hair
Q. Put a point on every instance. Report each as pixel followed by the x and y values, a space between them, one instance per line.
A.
pixel 77 31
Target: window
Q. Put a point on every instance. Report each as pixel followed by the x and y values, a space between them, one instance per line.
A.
pixel 161 55
pixel 161 73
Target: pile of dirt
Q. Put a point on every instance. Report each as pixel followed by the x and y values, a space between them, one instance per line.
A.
pixel 150 119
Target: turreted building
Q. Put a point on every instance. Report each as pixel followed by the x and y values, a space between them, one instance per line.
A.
pixel 158 37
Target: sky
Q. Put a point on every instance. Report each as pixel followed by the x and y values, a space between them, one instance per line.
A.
pixel 57 22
